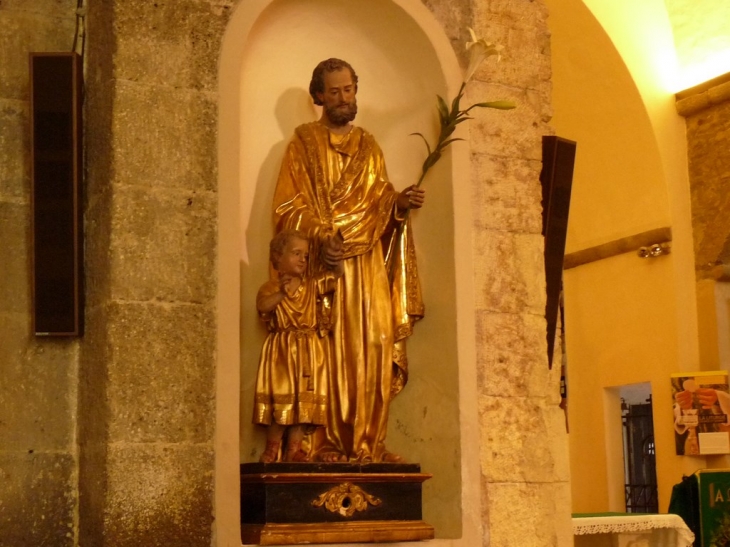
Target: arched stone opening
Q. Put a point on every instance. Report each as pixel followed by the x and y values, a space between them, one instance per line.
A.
pixel 403 59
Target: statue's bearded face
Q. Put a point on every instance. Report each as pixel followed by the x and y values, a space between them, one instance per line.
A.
pixel 338 100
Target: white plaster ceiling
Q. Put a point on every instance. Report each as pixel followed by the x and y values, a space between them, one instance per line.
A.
pixel 701 37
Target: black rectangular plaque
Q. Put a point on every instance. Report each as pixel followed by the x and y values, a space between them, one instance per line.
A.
pixel 56 163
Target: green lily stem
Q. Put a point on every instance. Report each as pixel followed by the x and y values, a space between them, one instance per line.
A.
pixel 449 119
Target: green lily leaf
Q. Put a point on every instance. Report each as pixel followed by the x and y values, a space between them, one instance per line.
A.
pixel 431 160
pixel 446 131
pixel 455 103
pixel 424 140
pixel 448 142
pixel 443 110
pixel 500 105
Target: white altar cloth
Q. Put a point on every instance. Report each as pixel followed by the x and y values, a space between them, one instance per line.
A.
pixel 631 530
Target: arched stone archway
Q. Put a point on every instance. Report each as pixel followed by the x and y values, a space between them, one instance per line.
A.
pixel 403 59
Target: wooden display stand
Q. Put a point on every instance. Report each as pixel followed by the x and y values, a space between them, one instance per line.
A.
pixel 297 503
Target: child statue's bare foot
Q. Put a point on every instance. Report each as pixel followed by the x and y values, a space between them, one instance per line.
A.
pixel 294 452
pixel 271 453
pixel 296 456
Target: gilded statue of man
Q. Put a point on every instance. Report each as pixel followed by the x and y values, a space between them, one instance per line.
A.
pixel 333 186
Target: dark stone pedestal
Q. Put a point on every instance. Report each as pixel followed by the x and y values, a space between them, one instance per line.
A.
pixel 295 503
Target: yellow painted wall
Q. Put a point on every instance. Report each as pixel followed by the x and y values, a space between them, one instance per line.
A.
pixel 707 319
pixel 627 319
pixel 619 188
pixel 618 328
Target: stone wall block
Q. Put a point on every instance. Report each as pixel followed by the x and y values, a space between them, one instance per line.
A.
pixel 557 437
pixel 208 24
pixel 512 355
pixel 22 32
pixel 508 192
pixel 455 18
pixel 185 37
pixel 708 132
pixel 37 375
pixel 555 373
pixel 94 355
pixel 92 490
pixel 61 9
pixel 163 245
pixel 38 499
pixel 93 424
pixel 98 143
pixel 97 254
pixel 539 101
pixel 14 147
pixel 516 13
pixel 529 515
pixel 172 145
pixel 37 388
pixel 510 276
pixel 100 167
pixel 99 174
pixel 524 59
pixel 526 62
pixel 15 258
pixel 161 382
pixel 159 495
pixel 515 446
pixel 99 100
pixel 513 133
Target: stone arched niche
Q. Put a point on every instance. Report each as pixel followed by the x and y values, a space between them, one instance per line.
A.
pixel 270 51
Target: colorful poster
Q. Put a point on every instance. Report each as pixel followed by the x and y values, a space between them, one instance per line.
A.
pixel 701 413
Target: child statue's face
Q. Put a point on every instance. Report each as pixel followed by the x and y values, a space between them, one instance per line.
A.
pixel 293 260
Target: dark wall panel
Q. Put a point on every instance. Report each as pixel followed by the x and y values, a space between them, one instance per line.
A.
pixel 558 158
pixel 57 274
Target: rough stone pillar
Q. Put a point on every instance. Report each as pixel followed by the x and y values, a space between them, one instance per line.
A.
pixel 523 441
pixel 707 112
pixel 524 455
pixel 148 363
pixel 37 375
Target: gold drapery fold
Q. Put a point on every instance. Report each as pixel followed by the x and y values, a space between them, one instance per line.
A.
pixel 291 383
pixel 330 183
pixel 405 295
pixel 323 189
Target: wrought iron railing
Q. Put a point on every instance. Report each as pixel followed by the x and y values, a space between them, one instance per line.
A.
pixel 641 498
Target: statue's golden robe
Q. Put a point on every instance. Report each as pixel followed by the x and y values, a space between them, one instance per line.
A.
pixel 328 183
pixel 291 383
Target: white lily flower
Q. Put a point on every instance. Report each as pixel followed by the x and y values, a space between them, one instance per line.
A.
pixel 479 50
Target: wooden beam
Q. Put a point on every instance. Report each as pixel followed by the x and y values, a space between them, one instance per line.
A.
pixel 619 246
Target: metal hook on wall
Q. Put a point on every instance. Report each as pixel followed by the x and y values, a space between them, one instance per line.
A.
pixel 655 250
